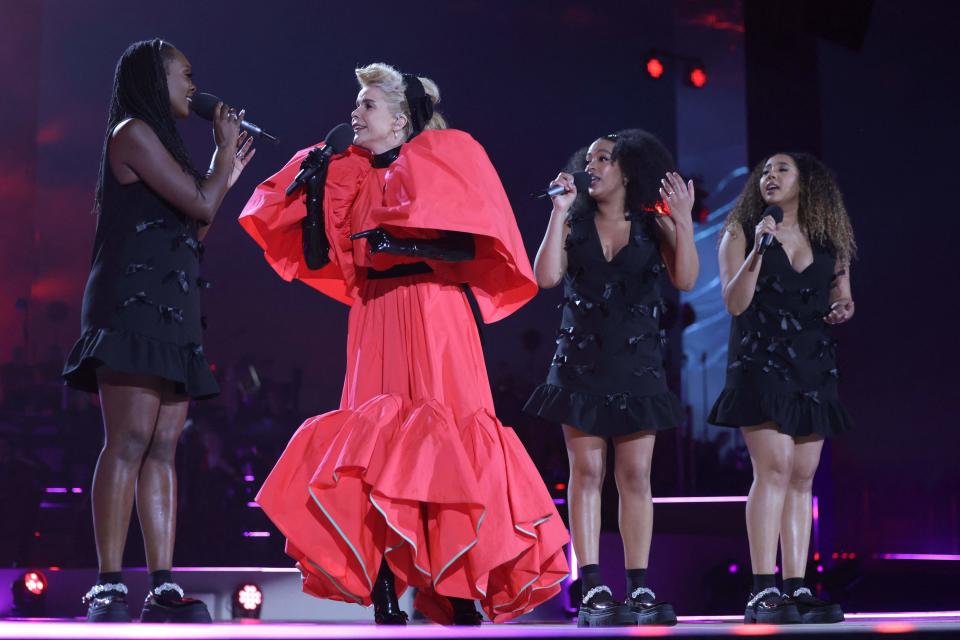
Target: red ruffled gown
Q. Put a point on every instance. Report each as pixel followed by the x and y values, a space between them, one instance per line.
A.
pixel 414 465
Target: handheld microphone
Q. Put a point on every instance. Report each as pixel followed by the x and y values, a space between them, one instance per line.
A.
pixel 203 105
pixel 766 239
pixel 581 180
pixel 337 141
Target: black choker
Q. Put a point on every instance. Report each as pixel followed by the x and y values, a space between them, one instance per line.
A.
pixel 385 159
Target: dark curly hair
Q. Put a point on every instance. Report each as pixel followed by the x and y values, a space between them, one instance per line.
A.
pixel 140 91
pixel 643 161
pixel 821 212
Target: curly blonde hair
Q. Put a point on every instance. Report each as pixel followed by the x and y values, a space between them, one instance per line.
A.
pixel 390 81
pixel 821 212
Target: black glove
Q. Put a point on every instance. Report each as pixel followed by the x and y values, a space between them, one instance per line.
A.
pixel 316 245
pixel 451 247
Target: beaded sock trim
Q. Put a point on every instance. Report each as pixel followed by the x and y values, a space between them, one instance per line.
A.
pixel 595 591
pixel 97 589
pixel 763 594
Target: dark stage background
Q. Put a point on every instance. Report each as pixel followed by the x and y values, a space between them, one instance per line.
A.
pixel 870 87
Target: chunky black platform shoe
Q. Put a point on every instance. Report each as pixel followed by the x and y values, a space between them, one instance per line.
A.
pixel 769 606
pixel 167 603
pixel 599 609
pixel 643 608
pixel 107 603
pixel 813 610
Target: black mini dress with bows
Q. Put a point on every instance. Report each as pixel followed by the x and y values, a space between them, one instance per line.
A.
pixel 607 375
pixel 782 362
pixel 141 306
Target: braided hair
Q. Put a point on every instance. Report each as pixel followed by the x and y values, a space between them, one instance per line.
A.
pixel 140 91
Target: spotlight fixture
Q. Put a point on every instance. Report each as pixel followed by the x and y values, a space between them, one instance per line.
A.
pixel 657 62
pixel 696 75
pixel 30 594
pixel 653 64
pixel 247 602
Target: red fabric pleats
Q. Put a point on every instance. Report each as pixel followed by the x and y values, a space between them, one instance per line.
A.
pixel 416 467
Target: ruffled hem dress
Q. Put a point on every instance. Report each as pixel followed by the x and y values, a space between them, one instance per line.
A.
pixel 141 309
pixel 414 467
pixel 607 376
pixel 782 362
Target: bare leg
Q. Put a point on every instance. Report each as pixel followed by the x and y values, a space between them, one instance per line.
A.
pixel 588 457
pixel 771 453
pixel 632 471
pixel 797 518
pixel 130 405
pixel 157 483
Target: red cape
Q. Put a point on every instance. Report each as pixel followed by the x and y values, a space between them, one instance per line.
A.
pixel 442 180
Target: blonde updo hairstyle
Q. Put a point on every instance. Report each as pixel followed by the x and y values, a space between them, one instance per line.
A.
pixel 390 81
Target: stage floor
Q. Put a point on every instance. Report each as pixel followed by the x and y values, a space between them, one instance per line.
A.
pixel 914 625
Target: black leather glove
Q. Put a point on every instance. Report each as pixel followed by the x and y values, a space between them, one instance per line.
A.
pixel 451 247
pixel 316 245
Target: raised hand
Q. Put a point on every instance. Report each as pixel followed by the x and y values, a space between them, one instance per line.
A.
pixel 226 127
pixel 564 201
pixel 242 157
pixel 678 196
pixel 766 225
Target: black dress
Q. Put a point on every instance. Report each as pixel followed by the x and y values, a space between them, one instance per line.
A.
pixel 141 306
pixel 782 363
pixel 607 375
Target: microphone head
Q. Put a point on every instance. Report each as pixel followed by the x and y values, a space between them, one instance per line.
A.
pixel 203 104
pixel 581 180
pixel 339 138
pixel 774 212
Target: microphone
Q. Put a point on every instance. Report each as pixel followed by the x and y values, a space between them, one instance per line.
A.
pixel 337 141
pixel 203 105
pixel 581 180
pixel 766 239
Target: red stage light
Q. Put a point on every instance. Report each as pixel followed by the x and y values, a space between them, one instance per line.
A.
pixel 560 486
pixel 697 76
pixel 30 594
pixel 35 582
pixel 654 67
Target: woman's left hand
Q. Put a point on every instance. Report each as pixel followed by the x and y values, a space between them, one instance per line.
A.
pixel 840 311
pixel 242 157
pixel 377 240
pixel 678 197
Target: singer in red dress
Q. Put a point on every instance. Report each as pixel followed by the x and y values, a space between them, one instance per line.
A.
pixel 413 481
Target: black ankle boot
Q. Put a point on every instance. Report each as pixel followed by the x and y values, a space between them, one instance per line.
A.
pixel 465 613
pixel 386 609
